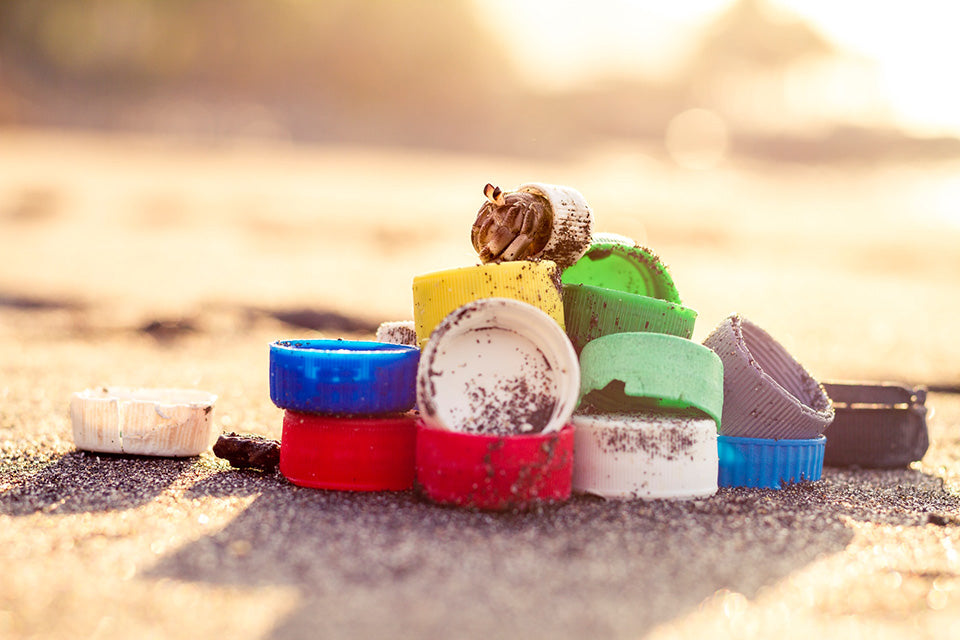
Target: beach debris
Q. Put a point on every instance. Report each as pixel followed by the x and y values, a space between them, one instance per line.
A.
pixel 769 463
pixel 349 453
pixel 497 384
pixel 766 392
pixel 438 294
pixel 493 472
pixel 143 421
pixel 343 377
pixel 402 332
pixel 880 425
pixel 645 454
pixel 498 366
pixel 348 423
pixel 248 451
pixel 774 412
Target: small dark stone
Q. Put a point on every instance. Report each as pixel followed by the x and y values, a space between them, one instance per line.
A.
pixel 168 329
pixel 248 451
pixel 938 519
pixel 320 320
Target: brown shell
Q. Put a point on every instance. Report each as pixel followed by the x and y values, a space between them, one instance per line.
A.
pixel 517 229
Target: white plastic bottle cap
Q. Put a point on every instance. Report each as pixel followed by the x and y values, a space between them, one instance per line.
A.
pixel 148 422
pixel 398 332
pixel 498 366
pixel 646 455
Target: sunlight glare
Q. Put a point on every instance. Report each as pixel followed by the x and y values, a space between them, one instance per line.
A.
pixel 912 47
pixel 565 43
pixel 915 47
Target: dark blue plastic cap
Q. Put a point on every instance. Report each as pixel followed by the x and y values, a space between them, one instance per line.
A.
pixel 768 463
pixel 343 377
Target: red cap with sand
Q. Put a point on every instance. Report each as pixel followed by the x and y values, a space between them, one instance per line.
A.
pixel 495 472
pixel 348 454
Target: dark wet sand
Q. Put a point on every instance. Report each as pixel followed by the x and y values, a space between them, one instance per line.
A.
pixel 156 264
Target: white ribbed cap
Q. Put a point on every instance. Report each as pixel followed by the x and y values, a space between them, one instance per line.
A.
pixel 646 455
pixel 148 422
pixel 403 332
pixel 572 222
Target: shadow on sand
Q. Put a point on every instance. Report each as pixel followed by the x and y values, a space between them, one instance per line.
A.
pixel 375 564
pixel 80 482
pixel 369 565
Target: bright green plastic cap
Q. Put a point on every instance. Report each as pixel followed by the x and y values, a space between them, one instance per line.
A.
pixel 628 372
pixel 623 267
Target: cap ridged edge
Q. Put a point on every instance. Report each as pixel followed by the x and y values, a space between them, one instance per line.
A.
pixel 494 473
pixel 609 237
pixel 349 454
pixel 401 332
pixel 768 463
pixel 767 393
pixel 591 312
pixel 646 274
pixel 649 455
pixel 343 376
pixel 437 294
pixel 572 222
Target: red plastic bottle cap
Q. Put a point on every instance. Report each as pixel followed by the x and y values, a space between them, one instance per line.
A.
pixel 494 472
pixel 349 454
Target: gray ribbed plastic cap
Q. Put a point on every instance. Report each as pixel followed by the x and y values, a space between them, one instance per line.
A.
pixel 766 392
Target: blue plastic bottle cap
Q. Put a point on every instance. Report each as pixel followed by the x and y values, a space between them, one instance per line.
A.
pixel 343 377
pixel 768 463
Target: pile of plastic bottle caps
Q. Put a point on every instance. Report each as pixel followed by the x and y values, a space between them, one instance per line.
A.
pixel 563 362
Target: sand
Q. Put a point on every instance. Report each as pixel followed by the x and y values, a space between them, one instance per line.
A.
pixel 166 263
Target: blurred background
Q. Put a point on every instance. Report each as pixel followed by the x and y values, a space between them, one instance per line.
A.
pixel 162 161
pixel 785 80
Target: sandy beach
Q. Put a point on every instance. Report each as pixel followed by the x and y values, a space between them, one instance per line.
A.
pixel 129 260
